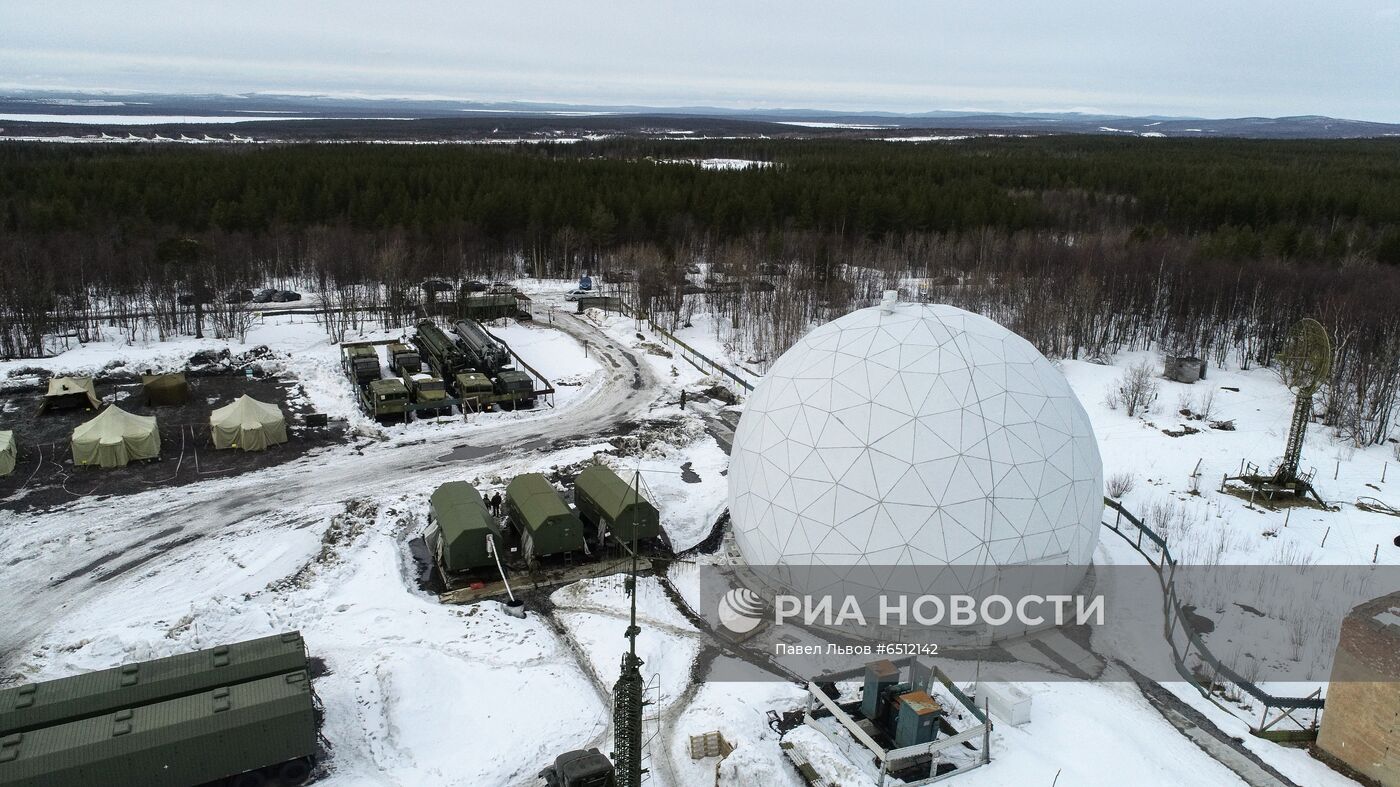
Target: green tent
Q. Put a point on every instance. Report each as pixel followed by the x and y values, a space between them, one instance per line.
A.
pixel 8 453
pixel 248 424
pixel 67 393
pixel 608 501
pixel 114 438
pixel 165 388
pixel 459 526
pixel 547 525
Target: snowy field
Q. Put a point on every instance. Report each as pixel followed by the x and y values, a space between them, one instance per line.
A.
pixel 418 692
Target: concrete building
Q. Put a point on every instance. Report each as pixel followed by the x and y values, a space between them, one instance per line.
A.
pixel 1361 726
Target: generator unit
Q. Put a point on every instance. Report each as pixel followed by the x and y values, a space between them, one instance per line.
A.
pixel 908 716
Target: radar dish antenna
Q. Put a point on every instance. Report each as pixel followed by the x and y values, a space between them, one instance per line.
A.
pixel 1304 364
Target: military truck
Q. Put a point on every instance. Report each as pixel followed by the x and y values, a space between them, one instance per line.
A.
pixel 440 351
pixel 514 388
pixel 243 712
pixel 361 362
pixel 385 400
pixel 609 503
pixel 545 523
pixel 581 768
pixel 403 359
pixel 476 391
pixel 459 526
pixel 485 353
pixel 428 392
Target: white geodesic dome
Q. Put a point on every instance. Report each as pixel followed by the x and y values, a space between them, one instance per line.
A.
pixel 915 435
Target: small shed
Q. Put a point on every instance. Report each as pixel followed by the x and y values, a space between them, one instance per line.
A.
pixel 165 389
pixel 248 424
pixel 546 523
pixel 114 438
pixel 459 526
pixel 70 393
pixel 606 501
pixel 1184 368
pixel 8 453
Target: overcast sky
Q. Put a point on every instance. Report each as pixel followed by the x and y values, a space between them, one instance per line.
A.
pixel 1180 57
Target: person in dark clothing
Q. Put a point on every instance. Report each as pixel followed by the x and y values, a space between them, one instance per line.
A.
pixel 682 398
pixel 496 504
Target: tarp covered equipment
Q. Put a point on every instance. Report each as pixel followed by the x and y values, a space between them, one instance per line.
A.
pixel 248 424
pixel 163 389
pixel 71 392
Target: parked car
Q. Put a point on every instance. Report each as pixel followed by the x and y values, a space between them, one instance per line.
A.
pixel 264 295
pixel 286 296
pixel 436 285
pixel 239 296
pixel 573 295
pixel 474 285
pixel 502 287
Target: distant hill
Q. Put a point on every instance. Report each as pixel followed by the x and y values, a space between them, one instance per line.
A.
pixel 259 116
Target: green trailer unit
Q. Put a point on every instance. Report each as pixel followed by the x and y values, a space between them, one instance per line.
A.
pixel 458 527
pixel 266 725
pixel 36 705
pixel 488 307
pixel 546 524
pixel 606 501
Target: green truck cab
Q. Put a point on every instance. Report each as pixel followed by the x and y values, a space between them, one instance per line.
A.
pixel 403 359
pixel 515 388
pixel 608 502
pixel 546 524
pixel 361 362
pixel 476 391
pixel 459 525
pixel 385 399
pixel 427 391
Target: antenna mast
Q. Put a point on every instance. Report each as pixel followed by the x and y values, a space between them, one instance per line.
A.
pixel 627 692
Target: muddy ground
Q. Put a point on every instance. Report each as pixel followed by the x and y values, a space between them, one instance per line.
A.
pixel 45 475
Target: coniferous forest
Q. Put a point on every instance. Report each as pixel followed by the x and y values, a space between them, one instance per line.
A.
pixel 1085 245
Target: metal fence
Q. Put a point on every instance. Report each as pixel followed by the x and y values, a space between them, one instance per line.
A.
pixel 687 353
pixel 1185 641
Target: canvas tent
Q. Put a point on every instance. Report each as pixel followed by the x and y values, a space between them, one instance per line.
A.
pixel 114 438
pixel 248 424
pixel 70 392
pixel 8 454
pixel 164 389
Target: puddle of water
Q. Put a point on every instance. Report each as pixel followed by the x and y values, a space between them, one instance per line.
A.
pixel 463 452
pixel 688 475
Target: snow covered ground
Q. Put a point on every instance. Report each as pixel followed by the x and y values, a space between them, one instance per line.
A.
pixel 417 692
